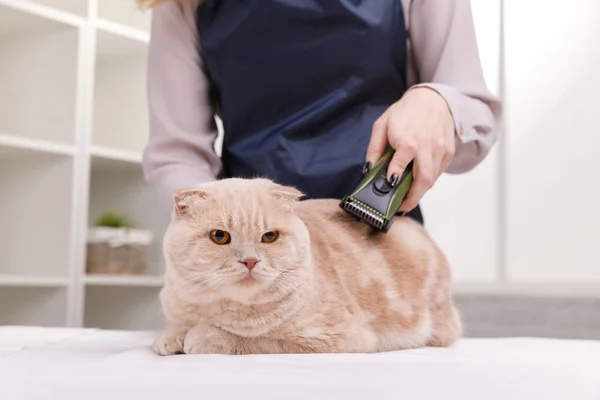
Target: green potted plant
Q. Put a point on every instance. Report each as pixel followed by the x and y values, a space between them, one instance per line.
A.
pixel 112 219
pixel 115 247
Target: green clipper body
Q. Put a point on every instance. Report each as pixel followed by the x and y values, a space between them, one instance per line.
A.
pixel 374 200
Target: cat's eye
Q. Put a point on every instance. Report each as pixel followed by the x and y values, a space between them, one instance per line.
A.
pixel 270 237
pixel 220 237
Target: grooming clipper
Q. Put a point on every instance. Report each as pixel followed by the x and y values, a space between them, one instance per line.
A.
pixel 374 200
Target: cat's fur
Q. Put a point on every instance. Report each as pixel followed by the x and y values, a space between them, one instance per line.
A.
pixel 327 284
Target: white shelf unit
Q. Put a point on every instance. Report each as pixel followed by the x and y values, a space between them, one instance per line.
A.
pixel 77 7
pixel 38 74
pixel 122 307
pixel 118 186
pixel 36 203
pixel 124 13
pixel 33 305
pixel 119 112
pixel 73 124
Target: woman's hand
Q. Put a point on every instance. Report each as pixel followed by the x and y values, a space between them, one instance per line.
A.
pixel 419 126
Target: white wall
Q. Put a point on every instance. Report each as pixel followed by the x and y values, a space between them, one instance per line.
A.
pixel 553 140
pixel 530 213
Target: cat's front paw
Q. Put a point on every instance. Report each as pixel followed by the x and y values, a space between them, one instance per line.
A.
pixel 170 341
pixel 204 339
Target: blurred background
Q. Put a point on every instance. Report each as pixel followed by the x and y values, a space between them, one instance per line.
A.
pixel 80 232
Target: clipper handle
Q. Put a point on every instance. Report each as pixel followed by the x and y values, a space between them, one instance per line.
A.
pixel 375 201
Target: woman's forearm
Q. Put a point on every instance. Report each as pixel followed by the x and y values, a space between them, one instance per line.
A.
pixel 180 150
pixel 445 57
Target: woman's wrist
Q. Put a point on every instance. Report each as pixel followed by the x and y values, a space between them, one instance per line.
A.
pixel 451 98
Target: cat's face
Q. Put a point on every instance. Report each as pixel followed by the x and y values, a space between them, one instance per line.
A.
pixel 236 239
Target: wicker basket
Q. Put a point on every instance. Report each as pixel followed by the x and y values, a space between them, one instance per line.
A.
pixel 117 251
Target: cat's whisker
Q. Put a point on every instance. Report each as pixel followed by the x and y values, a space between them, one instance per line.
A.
pixel 197 278
pixel 297 285
pixel 286 285
pixel 173 288
pixel 213 281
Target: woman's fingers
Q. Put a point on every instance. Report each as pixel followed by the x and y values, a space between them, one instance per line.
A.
pixel 423 177
pixel 378 142
pixel 405 152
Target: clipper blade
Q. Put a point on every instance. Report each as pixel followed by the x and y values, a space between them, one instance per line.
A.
pixel 364 213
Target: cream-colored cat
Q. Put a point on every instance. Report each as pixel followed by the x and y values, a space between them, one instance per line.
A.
pixel 250 269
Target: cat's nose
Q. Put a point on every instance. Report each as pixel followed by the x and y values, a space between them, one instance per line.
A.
pixel 250 263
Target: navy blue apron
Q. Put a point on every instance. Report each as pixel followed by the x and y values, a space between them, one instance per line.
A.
pixel 298 85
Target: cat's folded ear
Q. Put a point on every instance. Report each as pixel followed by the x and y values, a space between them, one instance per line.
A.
pixel 286 193
pixel 186 198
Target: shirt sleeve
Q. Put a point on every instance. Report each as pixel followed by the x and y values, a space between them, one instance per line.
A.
pixel 180 149
pixel 446 59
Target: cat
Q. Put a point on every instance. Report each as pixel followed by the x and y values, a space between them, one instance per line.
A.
pixel 254 269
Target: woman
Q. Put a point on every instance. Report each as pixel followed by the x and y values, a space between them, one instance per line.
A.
pixel 311 91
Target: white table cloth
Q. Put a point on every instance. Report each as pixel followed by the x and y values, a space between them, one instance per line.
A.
pixel 83 364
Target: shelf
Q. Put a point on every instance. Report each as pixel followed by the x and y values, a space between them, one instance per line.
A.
pixel 120 114
pixel 107 159
pixel 37 16
pixel 125 192
pixel 76 7
pixel 38 75
pixel 125 13
pixel 126 307
pixel 33 306
pixel 116 45
pixel 109 280
pixel 35 210
pixel 15 146
pixel 34 281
